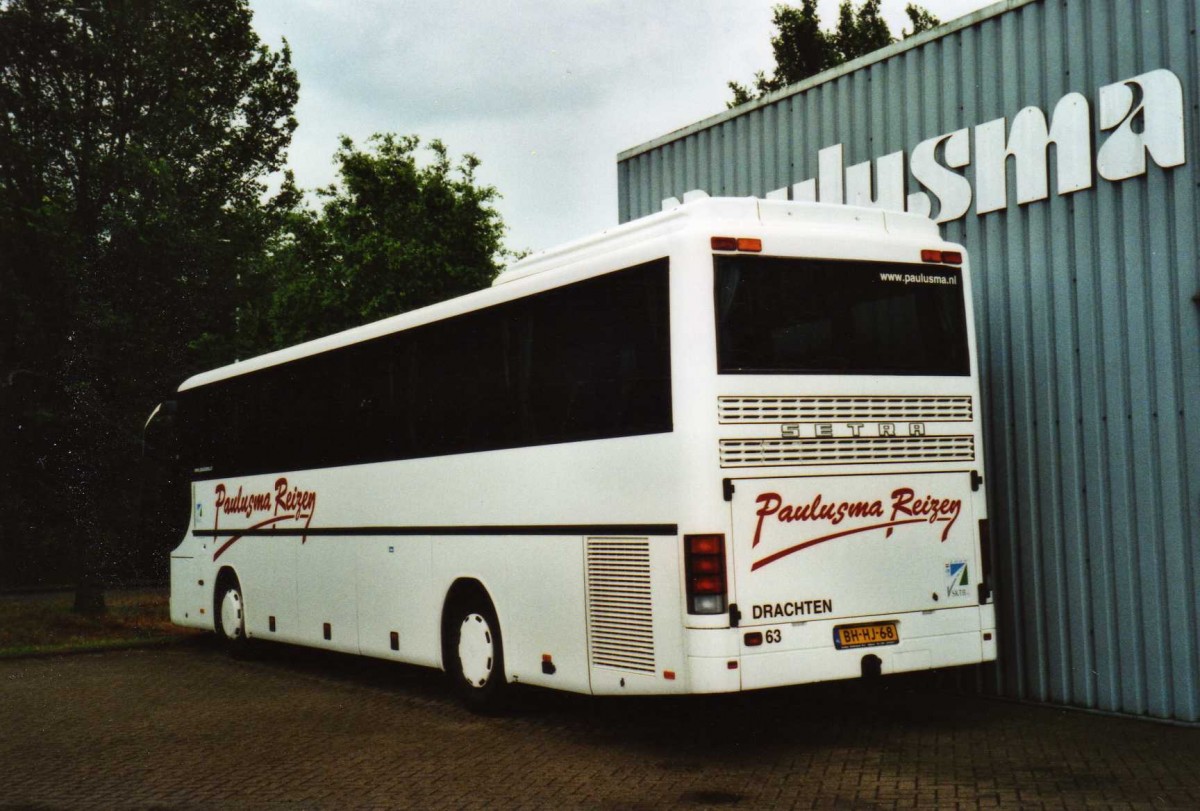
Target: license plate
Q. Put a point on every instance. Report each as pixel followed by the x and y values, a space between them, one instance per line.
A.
pixel 867 635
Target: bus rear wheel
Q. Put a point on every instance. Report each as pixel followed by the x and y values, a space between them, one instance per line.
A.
pixel 475 655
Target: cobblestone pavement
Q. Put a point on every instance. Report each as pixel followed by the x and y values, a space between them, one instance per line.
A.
pixel 186 727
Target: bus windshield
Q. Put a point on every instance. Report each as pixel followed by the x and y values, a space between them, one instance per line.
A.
pixel 822 316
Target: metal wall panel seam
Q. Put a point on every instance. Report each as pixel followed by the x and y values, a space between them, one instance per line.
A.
pixel 1115 462
pixel 1060 371
pixel 782 172
pixel 1141 434
pixel 766 158
pixel 1085 672
pixel 1101 538
pixel 1029 644
pixel 1044 513
pixel 1179 626
pixel 1188 373
pixel 1156 209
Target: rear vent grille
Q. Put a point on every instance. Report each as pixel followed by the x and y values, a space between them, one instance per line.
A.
pixel 620 623
pixel 846 451
pixel 816 409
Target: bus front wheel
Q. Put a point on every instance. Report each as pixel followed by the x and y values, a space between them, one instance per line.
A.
pixel 475 654
pixel 231 615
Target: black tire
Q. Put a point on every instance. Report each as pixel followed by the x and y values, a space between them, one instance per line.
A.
pixel 474 654
pixel 229 616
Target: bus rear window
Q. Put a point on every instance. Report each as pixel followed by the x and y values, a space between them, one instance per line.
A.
pixel 821 316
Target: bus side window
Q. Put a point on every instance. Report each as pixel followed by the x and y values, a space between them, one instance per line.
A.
pixel 594 359
pixel 461 399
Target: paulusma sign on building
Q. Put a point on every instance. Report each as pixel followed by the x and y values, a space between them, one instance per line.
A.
pixel 1140 120
pixel 1058 140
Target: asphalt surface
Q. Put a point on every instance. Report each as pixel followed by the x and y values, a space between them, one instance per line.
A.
pixel 184 726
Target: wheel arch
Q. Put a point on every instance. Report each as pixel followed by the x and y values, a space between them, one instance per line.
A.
pixel 461 590
pixel 225 576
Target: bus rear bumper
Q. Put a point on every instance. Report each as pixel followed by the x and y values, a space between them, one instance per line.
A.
pixel 805 652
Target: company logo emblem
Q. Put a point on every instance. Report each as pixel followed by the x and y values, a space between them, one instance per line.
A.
pixel 286 503
pixel 957 578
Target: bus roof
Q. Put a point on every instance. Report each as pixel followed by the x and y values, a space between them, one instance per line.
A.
pixel 722 212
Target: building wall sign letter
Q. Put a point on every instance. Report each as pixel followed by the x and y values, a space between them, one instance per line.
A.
pixel 1147 114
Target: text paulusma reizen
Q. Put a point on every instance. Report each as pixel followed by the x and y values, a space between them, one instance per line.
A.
pixel 905 507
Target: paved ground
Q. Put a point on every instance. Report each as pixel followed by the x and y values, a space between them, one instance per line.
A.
pixel 185 727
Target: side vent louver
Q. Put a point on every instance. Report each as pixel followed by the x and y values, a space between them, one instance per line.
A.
pixel 620 623
pixel 847 451
pixel 813 409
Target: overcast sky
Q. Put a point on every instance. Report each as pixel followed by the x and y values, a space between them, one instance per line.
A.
pixel 544 92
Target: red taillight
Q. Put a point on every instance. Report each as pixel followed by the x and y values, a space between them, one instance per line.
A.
pixel 942 257
pixel 704 566
pixel 724 243
pixel 753 639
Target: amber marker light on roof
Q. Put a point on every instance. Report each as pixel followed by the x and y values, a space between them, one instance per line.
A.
pixel 747 244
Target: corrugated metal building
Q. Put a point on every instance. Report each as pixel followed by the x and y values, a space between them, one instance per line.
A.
pixel 1086 288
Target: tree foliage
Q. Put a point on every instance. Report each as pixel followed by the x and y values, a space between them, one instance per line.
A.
pixel 393 234
pixel 138 244
pixel 802 48
pixel 134 138
pixel 921 19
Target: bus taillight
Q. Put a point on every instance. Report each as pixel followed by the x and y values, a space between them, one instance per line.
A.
pixel 942 257
pixel 704 564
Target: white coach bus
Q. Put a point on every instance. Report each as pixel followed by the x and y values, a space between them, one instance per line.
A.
pixel 730 446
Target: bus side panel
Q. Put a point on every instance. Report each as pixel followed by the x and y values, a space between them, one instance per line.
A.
pixel 396 596
pixel 327 592
pixel 266 570
pixel 191 586
pixel 536 586
pixel 187 595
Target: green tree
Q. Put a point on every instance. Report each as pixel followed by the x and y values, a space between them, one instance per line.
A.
pixel 393 234
pixel 134 138
pixel 921 20
pixel 802 49
pixel 860 31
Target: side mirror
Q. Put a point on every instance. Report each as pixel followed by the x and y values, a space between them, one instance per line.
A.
pixel 158 434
